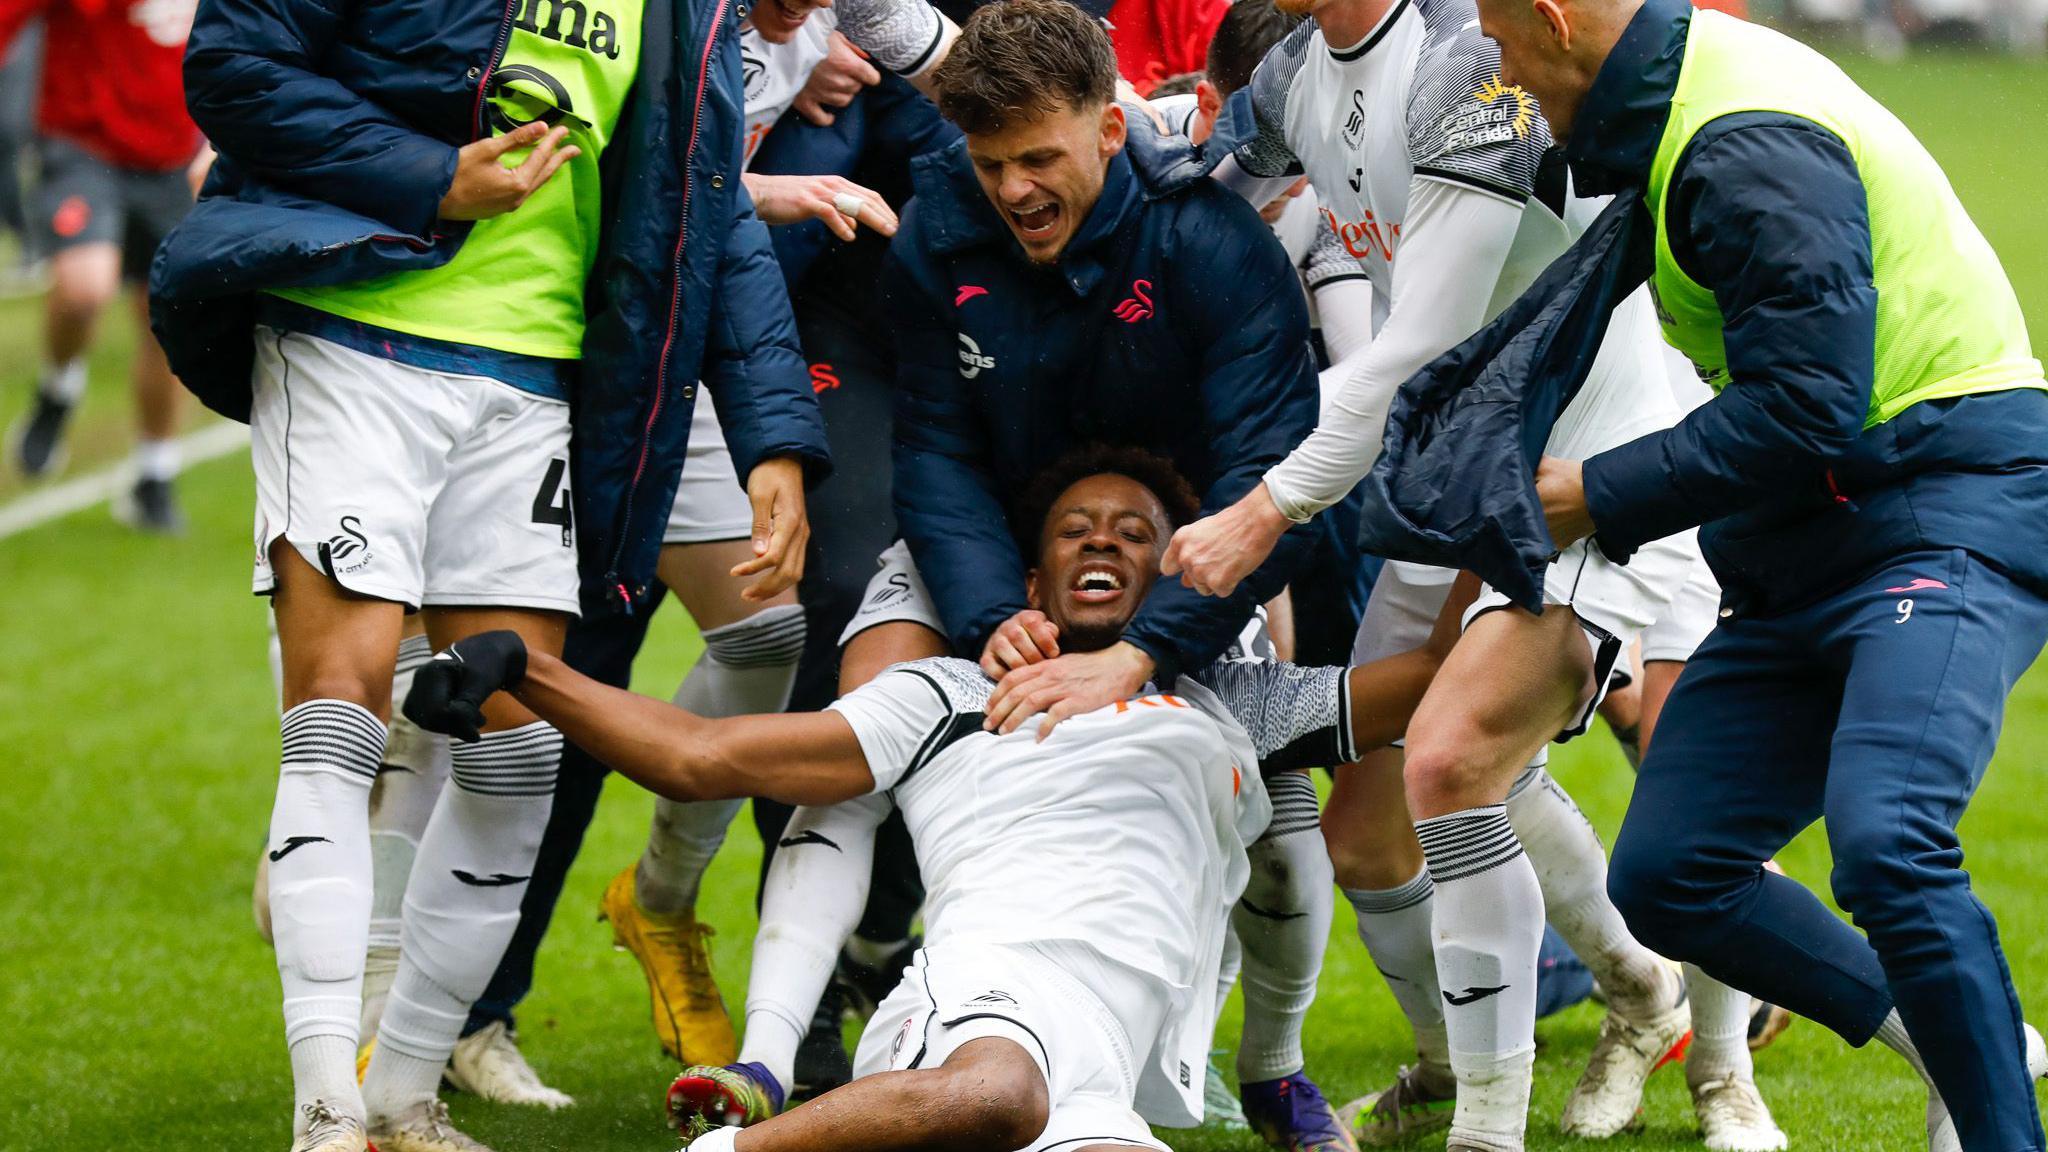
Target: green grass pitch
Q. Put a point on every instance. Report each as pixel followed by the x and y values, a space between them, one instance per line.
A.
pixel 139 1008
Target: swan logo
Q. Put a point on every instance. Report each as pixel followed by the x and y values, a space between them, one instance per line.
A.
pixel 1137 306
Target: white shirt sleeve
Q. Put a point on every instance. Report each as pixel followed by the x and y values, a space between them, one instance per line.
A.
pixel 893 716
pixel 910 713
pixel 1257 190
pixel 905 36
pixel 1453 247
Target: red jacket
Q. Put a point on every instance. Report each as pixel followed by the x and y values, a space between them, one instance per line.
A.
pixel 1155 39
pixel 113 80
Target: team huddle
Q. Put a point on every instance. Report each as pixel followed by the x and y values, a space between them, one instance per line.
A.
pixel 1073 429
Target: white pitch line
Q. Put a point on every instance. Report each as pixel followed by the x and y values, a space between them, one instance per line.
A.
pixel 60 500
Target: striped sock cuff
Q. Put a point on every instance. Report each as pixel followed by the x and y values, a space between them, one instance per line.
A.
pixel 1465 844
pixel 335 733
pixel 771 636
pixel 516 762
pixel 1379 901
pixel 413 651
pixel 1294 805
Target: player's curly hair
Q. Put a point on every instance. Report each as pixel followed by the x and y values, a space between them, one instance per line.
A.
pixel 1152 470
pixel 1019 59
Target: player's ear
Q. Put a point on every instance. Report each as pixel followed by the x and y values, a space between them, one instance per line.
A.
pixel 1208 106
pixel 1553 16
pixel 1113 129
pixel 1031 590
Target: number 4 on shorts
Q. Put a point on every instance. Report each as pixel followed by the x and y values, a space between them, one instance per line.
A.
pixel 545 508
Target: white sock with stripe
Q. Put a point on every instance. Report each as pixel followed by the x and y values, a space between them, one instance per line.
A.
pixel 1394 924
pixel 461 906
pixel 1488 930
pixel 414 770
pixel 1571 867
pixel 320 891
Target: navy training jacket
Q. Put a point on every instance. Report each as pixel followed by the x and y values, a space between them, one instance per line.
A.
pixel 321 180
pixel 1173 322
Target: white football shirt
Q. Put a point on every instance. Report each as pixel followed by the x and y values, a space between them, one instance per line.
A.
pixel 1413 144
pixel 1124 831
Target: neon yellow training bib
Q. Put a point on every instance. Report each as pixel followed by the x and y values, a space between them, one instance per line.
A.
pixel 516 285
pixel 1948 323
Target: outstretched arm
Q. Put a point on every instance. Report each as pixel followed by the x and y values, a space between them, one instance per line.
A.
pixel 809 758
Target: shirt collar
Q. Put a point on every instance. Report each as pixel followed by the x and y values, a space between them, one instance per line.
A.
pixel 1621 120
pixel 1372 38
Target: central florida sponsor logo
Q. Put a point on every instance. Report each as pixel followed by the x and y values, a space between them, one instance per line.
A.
pixel 1497 114
pixel 971 360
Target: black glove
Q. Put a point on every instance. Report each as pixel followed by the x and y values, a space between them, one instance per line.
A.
pixel 448 692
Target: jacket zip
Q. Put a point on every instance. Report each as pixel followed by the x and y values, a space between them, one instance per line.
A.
pixel 483 84
pixel 675 300
pixel 476 116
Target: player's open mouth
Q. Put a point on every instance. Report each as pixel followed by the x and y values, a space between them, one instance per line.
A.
pixel 1037 223
pixel 1098 583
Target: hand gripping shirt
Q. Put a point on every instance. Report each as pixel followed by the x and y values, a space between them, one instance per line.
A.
pixel 902 36
pixel 1124 831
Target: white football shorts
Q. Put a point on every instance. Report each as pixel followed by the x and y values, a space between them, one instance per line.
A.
pixel 895 593
pixel 1615 603
pixel 1684 626
pixel 1086 1022
pixel 426 488
pixel 711 501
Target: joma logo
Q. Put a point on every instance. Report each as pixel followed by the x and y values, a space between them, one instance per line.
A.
pixel 603 30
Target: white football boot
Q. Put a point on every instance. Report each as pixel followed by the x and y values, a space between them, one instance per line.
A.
pixel 329 1131
pixel 1609 1097
pixel 488 1063
pixel 424 1127
pixel 1733 1116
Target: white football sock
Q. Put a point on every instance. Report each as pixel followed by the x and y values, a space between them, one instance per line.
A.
pixel 1571 867
pixel 461 905
pixel 1488 929
pixel 320 890
pixel 812 899
pixel 64 383
pixel 1720 1030
pixel 748 668
pixel 156 459
pixel 1892 1034
pixel 409 781
pixel 1283 925
pixel 1394 924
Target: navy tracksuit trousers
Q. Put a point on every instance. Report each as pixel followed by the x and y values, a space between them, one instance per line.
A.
pixel 1875 710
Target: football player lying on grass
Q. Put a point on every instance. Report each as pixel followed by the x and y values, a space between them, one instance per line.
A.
pixel 1079 877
